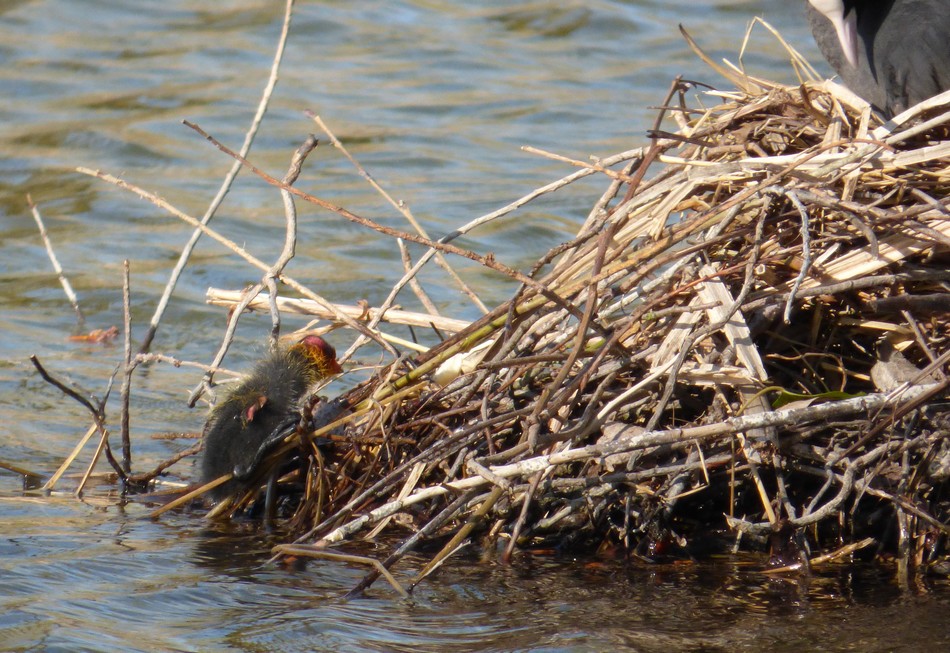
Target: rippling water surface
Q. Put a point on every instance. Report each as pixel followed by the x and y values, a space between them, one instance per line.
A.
pixel 434 99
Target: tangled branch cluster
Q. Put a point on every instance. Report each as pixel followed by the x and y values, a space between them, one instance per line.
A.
pixel 747 345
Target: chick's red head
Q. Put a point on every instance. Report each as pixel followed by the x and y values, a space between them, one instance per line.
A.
pixel 320 354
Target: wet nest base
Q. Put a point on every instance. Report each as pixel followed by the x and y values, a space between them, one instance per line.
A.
pixel 745 349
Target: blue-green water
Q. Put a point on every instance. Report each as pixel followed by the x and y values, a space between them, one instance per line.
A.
pixel 434 99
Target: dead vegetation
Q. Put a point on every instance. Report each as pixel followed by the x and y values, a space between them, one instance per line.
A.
pixel 744 347
pixel 692 372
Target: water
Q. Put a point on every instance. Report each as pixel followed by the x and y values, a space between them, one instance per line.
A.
pixel 435 100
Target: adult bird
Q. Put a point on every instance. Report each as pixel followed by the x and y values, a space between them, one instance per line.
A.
pixel 259 405
pixel 893 53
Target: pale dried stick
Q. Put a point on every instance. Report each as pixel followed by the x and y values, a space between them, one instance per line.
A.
pixel 102 446
pixel 799 63
pixel 193 494
pixel 290 233
pixel 67 287
pixel 225 185
pixel 228 298
pixel 54 479
pixel 177 362
pixel 314 552
pixel 596 167
pixel 417 288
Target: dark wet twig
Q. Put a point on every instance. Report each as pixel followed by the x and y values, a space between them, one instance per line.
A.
pixel 125 390
pixel 447 513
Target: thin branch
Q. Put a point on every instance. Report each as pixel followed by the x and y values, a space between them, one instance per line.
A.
pixel 67 287
pixel 403 209
pixel 226 183
pixel 417 288
pixel 127 371
pixel 487 261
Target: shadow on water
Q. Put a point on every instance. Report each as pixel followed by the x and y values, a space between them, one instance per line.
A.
pixel 549 604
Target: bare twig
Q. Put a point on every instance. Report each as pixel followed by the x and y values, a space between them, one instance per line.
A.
pixel 404 210
pixel 67 287
pixel 225 184
pixel 127 369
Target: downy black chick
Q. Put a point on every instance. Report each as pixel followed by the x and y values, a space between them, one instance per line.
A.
pixel 240 424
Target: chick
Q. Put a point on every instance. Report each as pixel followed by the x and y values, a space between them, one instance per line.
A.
pixel 239 425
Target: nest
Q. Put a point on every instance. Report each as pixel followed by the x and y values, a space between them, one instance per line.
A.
pixel 744 349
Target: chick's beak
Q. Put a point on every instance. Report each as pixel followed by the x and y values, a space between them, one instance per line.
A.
pixel 333 366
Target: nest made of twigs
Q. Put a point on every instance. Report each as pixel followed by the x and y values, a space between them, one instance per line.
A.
pixel 694 369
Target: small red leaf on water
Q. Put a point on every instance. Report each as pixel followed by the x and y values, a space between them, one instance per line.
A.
pixel 97 335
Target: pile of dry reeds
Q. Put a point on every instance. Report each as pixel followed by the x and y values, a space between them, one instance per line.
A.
pixel 730 353
pixel 745 346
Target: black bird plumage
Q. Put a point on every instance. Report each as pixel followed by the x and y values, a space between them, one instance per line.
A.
pixel 901 48
pixel 239 425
